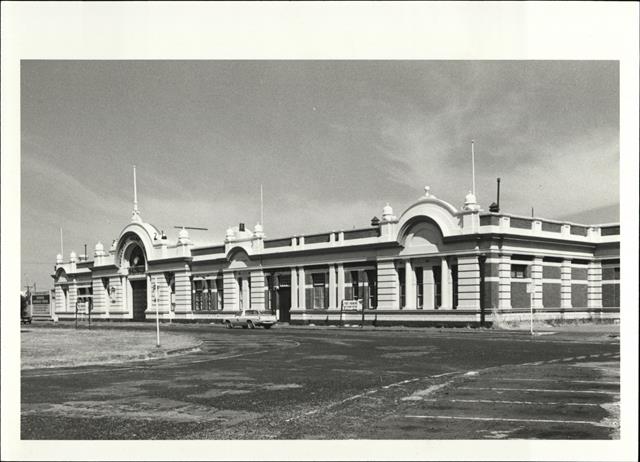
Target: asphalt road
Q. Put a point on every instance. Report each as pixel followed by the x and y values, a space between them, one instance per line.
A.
pixel 288 383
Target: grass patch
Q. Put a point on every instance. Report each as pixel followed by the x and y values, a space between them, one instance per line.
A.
pixel 54 347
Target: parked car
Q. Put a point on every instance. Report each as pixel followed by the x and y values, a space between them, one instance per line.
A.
pixel 250 319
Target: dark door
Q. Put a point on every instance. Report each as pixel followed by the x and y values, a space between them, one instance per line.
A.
pixel 284 304
pixel 139 297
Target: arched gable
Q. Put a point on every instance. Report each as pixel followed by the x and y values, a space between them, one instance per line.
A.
pixel 60 276
pixel 443 214
pixel 239 258
pixel 140 233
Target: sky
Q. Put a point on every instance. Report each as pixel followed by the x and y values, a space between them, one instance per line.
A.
pixel 330 141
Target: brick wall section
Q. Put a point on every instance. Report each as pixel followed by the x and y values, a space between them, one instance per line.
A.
pixel 491 294
pixel 610 295
pixel 551 295
pixel 579 273
pixel 578 295
pixel 551 272
pixel 519 296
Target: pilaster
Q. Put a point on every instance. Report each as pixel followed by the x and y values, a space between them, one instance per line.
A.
pixel 504 282
pixel 565 284
pixel 594 288
pixel 468 283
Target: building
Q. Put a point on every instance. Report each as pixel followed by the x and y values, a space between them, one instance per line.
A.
pixel 433 264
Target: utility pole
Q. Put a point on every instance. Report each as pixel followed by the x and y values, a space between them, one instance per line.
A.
pixel 155 300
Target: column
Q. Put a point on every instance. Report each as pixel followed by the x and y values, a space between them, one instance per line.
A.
pixel 428 287
pixel 301 289
pixel 594 287
pixel 164 294
pixel 446 288
pixel 99 297
pixel 246 292
pixel 257 290
pixel 388 283
pixel 73 297
pixel 230 291
pixel 340 296
pixel 60 299
pixel 409 286
pixel 333 287
pixel 294 288
pixel 536 282
pixel 468 283
pixel 183 292
pixel 565 284
pixel 504 284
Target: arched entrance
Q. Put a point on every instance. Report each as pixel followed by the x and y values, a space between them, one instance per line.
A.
pixel 134 259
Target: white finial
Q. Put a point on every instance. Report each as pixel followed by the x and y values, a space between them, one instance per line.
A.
pixel 427 191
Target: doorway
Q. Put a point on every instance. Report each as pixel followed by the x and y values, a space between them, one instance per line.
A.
pixel 139 299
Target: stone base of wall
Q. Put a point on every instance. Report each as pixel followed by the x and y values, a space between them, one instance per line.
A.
pixel 554 314
pixel 413 318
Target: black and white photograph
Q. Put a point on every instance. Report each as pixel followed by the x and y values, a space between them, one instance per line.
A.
pixel 317 255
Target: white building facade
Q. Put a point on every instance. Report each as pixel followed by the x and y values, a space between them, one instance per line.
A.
pixel 433 264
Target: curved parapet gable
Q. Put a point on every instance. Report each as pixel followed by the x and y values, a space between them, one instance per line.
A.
pixel 60 276
pixel 144 233
pixel 432 209
pixel 239 258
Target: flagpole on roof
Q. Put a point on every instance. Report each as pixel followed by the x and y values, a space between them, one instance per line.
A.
pixel 135 191
pixel 261 207
pixel 473 170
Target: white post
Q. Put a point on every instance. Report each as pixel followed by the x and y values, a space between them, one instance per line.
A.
pixel 530 290
pixel 155 300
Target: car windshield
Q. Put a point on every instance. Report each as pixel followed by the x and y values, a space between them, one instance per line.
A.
pixel 251 312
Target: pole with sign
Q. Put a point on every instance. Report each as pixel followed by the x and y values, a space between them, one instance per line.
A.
pixel 155 301
pixel 530 292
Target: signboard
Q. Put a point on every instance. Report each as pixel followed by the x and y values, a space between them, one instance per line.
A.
pixel 41 304
pixel 352 305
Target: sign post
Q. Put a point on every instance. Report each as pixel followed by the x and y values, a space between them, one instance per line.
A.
pixel 155 300
pixel 530 292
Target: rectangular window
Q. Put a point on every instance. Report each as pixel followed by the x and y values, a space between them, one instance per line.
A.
pixel 518 271
pixel 197 292
pixel 437 286
pixel 402 279
pixel 372 279
pixel 420 287
pixel 454 283
pixel 319 290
